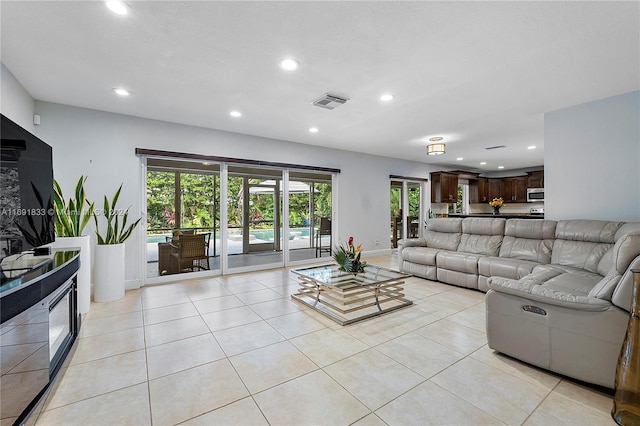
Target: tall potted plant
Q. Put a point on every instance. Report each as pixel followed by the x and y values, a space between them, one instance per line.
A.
pixel 70 219
pixel 110 259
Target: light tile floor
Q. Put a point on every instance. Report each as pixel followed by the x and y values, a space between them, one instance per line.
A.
pixel 235 350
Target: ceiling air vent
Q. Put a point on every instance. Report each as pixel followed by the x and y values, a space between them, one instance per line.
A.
pixel 328 101
pixel 496 147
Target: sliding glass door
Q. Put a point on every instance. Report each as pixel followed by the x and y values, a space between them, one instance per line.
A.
pixel 262 228
pixel 182 199
pixel 310 215
pixel 254 218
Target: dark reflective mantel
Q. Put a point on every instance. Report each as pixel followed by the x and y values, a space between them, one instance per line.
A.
pixel 37 304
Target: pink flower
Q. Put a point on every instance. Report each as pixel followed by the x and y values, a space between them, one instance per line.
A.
pixel 350 241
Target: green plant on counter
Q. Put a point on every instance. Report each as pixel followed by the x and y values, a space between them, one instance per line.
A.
pixel 71 218
pixel 116 232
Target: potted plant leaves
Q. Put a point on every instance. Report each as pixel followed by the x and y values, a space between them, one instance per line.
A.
pixel 70 219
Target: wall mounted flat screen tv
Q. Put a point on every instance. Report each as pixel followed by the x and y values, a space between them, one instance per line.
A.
pixel 26 190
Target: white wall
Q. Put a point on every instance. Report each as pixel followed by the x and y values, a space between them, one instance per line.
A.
pixel 592 160
pixel 101 146
pixel 15 102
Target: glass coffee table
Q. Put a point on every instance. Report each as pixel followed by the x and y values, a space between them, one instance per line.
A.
pixel 346 297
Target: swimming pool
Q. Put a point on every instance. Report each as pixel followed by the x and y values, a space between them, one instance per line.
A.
pixel 262 234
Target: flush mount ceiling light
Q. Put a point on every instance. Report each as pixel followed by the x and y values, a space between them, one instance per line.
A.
pixel 531 147
pixel 120 91
pixel 289 64
pixel 386 97
pixel 459 159
pixel 483 163
pixel 117 7
pixel 501 167
pixel 235 114
pixel 436 148
pixel 313 130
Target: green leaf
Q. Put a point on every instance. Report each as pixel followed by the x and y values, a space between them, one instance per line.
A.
pixel 116 232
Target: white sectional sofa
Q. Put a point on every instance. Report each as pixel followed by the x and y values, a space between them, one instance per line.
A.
pixel 558 293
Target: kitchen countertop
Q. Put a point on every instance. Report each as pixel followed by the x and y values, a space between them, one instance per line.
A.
pixel 502 215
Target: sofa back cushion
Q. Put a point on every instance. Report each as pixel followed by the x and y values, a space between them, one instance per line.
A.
pixel 623 248
pixel 528 239
pixel 482 235
pixel 583 243
pixel 444 233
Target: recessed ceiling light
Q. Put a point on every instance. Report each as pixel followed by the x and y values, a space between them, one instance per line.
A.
pixel 459 159
pixel 122 92
pixel 483 163
pixel 313 130
pixel 501 167
pixel 117 7
pixel 436 139
pixel 289 64
pixel 531 147
pixel 386 97
pixel 235 114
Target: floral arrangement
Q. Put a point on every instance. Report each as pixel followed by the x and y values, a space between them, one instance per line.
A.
pixel 348 257
pixel 496 202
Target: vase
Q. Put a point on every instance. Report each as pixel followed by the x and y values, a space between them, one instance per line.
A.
pixel 109 272
pixel 496 211
pixel 626 401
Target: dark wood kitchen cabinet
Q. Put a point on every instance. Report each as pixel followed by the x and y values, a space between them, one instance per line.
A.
pixel 479 191
pixel 515 189
pixel 444 187
pixel 495 188
pixel 535 179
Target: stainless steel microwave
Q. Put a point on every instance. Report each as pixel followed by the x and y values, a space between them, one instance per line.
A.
pixel 535 195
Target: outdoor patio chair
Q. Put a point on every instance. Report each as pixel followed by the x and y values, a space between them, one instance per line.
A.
pixel 191 252
pixel 325 229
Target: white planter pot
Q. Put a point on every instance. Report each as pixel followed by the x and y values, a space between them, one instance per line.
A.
pixel 108 272
pixel 84 273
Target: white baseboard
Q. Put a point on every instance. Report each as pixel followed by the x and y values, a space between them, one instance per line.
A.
pixel 132 284
pixel 381 252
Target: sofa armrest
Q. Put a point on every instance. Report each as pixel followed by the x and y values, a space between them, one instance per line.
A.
pixel 410 242
pixel 540 293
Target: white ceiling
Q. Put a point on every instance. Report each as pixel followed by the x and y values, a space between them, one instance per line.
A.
pixel 479 74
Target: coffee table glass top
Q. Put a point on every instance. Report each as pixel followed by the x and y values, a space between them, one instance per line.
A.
pixel 331 275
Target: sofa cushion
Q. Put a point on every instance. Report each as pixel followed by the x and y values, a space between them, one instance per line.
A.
pixel 462 262
pixel 421 255
pixel 534 229
pixel 486 245
pixel 535 287
pixel 505 267
pixel 615 262
pixel 481 236
pixel 578 254
pixel 578 284
pixel 528 239
pixel 526 249
pixel 443 233
pixel 583 243
pixel 626 248
pixel 596 231
pixel 483 226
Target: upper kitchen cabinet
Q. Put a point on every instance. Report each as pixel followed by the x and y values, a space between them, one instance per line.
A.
pixel 495 188
pixel 444 187
pixel 535 179
pixel 514 189
pixel 479 191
